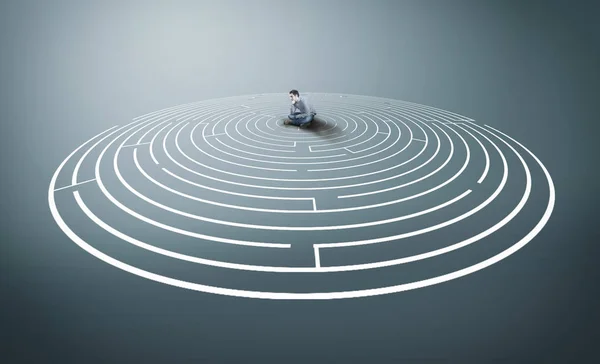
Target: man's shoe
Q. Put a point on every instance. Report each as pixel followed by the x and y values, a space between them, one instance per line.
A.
pixel 286 122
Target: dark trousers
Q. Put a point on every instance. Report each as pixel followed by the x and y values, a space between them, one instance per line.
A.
pixel 298 118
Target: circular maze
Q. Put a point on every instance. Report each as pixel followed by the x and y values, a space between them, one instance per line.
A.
pixel 377 196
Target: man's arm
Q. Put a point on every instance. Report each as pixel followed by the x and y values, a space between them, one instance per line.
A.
pixel 305 107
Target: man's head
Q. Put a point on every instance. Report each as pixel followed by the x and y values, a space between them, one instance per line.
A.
pixel 294 95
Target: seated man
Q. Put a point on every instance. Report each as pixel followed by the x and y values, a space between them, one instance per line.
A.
pixel 301 112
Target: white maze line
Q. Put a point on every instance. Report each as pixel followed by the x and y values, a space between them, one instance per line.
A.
pixel 241 194
pixel 359 157
pixel 255 209
pixel 233 113
pixel 147 123
pixel 403 104
pixel 171 113
pixel 441 117
pixel 345 141
pixel 268 227
pixel 169 110
pixel 75 185
pixel 217 158
pixel 342 116
pixel 247 113
pixel 135 145
pixel 312 188
pixel 161 251
pixel 87 152
pixel 177 113
pixel 364 141
pixel 412 170
pixel 350 208
pixel 404 111
pixel 303 139
pixel 428 110
pixel 271 156
pixel 375 161
pixel 246 158
pixel 295 180
pixel 245 137
pixel 152 143
pixel 222 113
pixel 416 111
pixel 203 114
pixel 485 152
pixel 419 140
pixel 455 246
pixel 433 227
pixel 427 175
pixel 306 296
pixel 195 113
pixel 230 162
pixel 156 223
pixel 192 216
pixel 283 133
pixel 231 116
pixel 363 207
pixel 146 133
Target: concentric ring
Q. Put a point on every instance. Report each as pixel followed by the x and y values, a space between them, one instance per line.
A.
pixel 378 196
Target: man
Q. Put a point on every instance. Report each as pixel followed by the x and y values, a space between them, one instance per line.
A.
pixel 302 112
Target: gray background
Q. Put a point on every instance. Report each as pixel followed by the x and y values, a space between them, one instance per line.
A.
pixel 72 69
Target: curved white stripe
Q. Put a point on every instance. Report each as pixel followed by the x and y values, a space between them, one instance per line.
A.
pixel 433 227
pixel 158 224
pixel 311 179
pixel 485 152
pixel 306 296
pixel 427 175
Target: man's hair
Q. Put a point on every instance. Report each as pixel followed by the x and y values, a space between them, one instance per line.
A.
pixel 295 92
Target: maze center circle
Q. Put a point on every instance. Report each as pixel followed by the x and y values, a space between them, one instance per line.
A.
pixel 376 196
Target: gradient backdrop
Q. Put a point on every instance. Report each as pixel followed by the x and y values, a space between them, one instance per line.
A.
pixel 70 69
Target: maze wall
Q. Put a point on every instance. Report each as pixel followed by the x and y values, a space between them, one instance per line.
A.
pixel 377 196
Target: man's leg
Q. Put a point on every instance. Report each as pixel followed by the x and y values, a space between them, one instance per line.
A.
pixel 293 118
pixel 303 122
